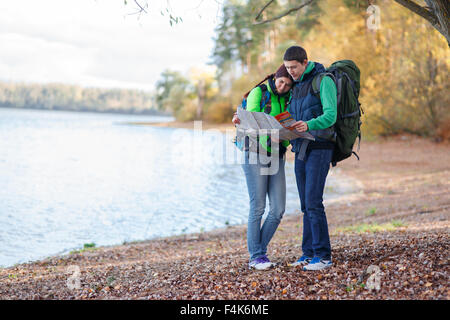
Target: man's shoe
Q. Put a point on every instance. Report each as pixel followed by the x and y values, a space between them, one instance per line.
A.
pixel 317 264
pixel 303 261
pixel 261 263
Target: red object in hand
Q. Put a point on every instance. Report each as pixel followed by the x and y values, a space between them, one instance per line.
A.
pixel 236 119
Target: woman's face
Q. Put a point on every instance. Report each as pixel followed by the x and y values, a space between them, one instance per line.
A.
pixel 283 84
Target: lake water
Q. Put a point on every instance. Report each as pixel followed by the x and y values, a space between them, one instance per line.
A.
pixel 70 178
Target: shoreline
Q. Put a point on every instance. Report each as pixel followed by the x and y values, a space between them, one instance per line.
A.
pixel 112 111
pixel 401 216
pixel 348 196
pixel 222 128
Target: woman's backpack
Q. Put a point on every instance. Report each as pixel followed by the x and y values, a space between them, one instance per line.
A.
pixel 265 99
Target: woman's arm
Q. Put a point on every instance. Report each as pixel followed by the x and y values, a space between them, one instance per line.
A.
pixel 254 100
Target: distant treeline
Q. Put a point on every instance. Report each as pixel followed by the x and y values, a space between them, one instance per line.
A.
pixel 75 98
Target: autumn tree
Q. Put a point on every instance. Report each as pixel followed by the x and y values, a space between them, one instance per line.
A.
pixel 436 12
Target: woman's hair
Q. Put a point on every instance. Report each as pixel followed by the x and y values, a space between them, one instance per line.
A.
pixel 281 72
pixel 263 80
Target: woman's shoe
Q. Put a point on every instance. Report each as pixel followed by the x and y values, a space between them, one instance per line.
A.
pixel 261 263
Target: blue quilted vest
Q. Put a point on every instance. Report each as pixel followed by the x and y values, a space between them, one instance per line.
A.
pixel 305 106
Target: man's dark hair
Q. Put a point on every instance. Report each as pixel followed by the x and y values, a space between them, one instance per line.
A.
pixel 295 53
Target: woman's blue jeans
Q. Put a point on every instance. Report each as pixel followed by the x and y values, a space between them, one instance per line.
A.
pixel 311 174
pixel 260 184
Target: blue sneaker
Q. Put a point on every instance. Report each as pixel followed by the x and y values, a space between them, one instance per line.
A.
pixel 317 264
pixel 261 263
pixel 303 261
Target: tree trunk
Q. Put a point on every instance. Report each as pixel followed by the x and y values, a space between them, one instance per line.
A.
pixel 441 9
pixel 437 13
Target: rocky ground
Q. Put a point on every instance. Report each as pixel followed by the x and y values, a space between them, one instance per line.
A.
pixel 390 241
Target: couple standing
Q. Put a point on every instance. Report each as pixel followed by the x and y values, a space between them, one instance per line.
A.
pixel 293 82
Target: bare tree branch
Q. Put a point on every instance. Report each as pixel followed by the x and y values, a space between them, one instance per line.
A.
pixel 421 11
pixel 283 14
pixel 264 8
pixel 140 7
pixel 437 13
pixel 441 10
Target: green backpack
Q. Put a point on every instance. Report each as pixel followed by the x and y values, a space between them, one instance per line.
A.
pixel 346 76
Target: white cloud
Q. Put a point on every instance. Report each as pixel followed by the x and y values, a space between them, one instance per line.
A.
pixel 95 43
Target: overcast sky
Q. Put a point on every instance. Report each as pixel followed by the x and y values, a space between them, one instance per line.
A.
pixel 97 43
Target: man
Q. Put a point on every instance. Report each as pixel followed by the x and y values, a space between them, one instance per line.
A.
pixel 312 158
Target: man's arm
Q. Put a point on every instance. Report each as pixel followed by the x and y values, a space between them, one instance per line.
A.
pixel 328 97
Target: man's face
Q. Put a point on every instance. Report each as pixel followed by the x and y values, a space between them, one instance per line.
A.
pixel 295 68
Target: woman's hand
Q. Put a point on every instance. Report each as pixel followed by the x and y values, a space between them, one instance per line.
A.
pixel 235 119
pixel 300 126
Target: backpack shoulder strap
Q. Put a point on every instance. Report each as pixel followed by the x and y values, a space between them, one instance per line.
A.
pixel 263 87
pixel 317 80
pixel 265 98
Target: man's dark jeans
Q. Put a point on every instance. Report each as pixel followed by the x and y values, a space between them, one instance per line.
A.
pixel 311 174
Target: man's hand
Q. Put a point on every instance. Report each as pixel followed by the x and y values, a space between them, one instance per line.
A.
pixel 235 119
pixel 300 126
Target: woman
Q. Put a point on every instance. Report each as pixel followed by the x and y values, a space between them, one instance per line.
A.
pixel 273 184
